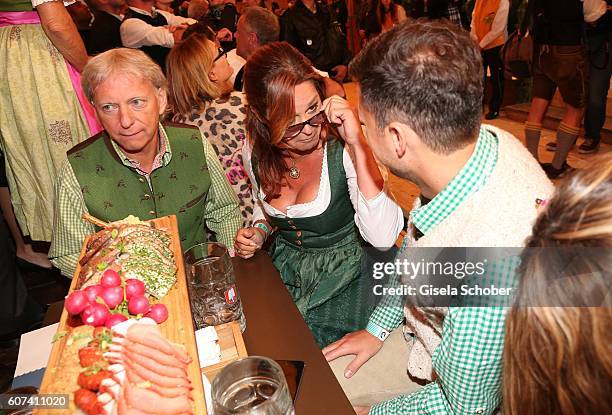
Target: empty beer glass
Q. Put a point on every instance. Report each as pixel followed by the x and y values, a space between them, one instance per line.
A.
pixel 212 286
pixel 254 385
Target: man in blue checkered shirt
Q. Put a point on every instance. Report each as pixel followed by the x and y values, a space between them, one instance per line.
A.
pixel 420 88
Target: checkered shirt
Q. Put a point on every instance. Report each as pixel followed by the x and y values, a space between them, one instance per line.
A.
pixel 468 360
pixel 454 16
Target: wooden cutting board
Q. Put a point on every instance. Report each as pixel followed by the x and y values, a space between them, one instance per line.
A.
pixel 177 329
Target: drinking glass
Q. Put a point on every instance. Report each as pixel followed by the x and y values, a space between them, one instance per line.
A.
pixel 253 385
pixel 212 286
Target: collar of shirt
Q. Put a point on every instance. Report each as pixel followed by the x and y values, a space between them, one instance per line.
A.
pixel 469 179
pixel 162 158
pixel 306 8
pixel 152 14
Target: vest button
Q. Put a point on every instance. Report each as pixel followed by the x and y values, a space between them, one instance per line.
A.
pixel 147 196
pixel 141 179
pixel 298 233
pixel 298 242
pixel 152 212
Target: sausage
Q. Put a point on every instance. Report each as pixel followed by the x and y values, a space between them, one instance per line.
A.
pixel 92 381
pixel 88 402
pixel 89 355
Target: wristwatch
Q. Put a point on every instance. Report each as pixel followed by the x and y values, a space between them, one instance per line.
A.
pixel 377 331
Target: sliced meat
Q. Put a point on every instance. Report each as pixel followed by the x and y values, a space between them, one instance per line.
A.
pixel 150 402
pixel 150 376
pixel 154 365
pixel 171 392
pixel 152 353
pixel 124 409
pixel 150 336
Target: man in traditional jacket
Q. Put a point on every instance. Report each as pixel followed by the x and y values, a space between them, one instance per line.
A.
pixel 137 165
pixel 151 30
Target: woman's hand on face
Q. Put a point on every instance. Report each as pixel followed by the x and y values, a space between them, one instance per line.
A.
pixel 340 113
pixel 225 35
pixel 248 241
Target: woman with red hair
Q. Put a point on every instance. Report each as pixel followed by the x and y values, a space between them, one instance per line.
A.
pixel 315 180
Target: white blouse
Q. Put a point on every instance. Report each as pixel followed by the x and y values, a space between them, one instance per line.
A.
pixel 136 33
pixel 379 220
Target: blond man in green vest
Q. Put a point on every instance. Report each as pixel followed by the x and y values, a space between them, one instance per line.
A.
pixel 137 165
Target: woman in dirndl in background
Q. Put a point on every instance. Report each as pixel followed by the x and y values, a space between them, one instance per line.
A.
pixel 44 112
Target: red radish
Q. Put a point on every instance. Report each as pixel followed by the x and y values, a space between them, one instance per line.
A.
pixel 115 319
pixel 134 287
pixel 95 314
pixel 138 304
pixel 110 278
pixel 158 312
pixel 76 302
pixel 92 292
pixel 112 296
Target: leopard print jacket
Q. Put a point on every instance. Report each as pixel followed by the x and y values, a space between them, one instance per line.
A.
pixel 222 123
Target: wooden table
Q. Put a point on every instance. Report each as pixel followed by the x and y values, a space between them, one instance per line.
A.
pixel 276 329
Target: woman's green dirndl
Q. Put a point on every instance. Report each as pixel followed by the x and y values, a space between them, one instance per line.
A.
pixel 320 258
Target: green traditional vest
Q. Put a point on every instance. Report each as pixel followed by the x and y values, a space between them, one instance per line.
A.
pixel 336 222
pixel 311 277
pixel 113 191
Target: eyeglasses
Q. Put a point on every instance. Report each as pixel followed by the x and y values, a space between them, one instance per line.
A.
pixel 221 54
pixel 296 129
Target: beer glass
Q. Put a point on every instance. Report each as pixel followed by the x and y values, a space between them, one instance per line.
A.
pixel 212 286
pixel 253 385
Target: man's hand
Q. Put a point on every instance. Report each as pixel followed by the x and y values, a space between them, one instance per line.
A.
pixel 359 343
pixel 177 32
pixel 361 410
pixel 224 35
pixel 339 72
pixel 343 115
pixel 248 241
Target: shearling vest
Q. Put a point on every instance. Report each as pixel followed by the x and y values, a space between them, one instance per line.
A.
pixel 500 214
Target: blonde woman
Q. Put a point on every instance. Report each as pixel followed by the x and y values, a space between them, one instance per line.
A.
pixel 199 78
pixel 557 354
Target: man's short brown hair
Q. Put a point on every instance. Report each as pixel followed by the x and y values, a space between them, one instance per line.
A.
pixel 263 23
pixel 427 75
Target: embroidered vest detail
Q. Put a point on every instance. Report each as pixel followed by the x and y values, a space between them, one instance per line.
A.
pixel 113 191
